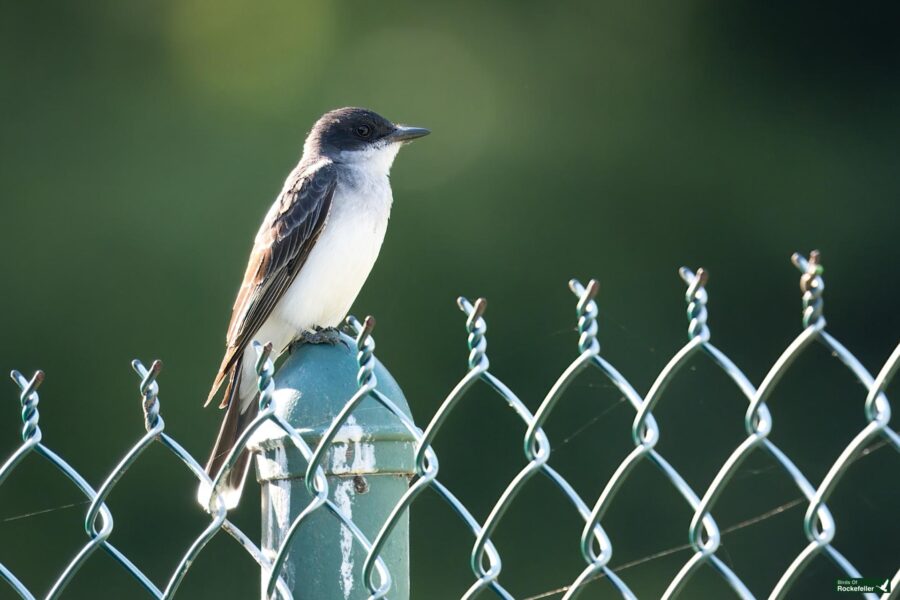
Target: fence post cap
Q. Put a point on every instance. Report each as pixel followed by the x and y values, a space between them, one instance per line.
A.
pixel 311 387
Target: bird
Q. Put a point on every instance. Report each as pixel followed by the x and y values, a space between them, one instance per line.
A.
pixel 311 256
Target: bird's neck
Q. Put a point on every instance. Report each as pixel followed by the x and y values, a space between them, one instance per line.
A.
pixel 374 162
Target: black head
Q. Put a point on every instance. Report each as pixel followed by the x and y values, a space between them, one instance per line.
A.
pixel 355 129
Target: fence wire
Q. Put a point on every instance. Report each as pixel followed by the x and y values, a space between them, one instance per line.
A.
pixel 596 547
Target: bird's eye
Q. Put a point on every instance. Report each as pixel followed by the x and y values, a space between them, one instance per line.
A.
pixel 363 131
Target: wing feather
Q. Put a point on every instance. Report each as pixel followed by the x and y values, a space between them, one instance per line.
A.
pixel 284 240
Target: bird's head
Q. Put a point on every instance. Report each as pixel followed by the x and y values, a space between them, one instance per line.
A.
pixel 358 135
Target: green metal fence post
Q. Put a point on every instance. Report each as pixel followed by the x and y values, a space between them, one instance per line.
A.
pixel 368 467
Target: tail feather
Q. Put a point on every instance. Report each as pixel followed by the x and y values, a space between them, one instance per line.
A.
pixel 228 369
pixel 233 425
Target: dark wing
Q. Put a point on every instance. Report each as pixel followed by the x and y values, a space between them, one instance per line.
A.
pixel 282 245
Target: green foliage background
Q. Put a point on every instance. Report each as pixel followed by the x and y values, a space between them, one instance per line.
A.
pixel 143 141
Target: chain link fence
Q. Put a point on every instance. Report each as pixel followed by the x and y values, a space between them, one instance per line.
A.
pixel 595 545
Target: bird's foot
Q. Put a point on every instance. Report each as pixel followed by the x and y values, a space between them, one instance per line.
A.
pixel 320 335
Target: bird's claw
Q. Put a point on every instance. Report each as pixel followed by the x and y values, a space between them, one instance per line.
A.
pixel 320 335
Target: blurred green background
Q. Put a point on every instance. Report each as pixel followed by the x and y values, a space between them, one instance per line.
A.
pixel 142 143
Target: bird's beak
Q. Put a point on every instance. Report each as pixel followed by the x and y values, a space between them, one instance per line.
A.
pixel 402 133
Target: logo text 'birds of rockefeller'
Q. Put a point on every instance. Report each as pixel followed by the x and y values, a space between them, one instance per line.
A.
pixel 864 585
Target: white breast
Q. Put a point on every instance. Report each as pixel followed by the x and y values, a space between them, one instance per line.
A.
pixel 341 259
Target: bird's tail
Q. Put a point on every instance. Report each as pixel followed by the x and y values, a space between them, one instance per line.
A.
pixel 233 425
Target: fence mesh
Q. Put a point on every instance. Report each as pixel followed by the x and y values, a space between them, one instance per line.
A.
pixel 595 545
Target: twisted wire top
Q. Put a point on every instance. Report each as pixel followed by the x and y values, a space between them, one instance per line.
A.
pixel 265 370
pixel 477 327
pixel 149 391
pixel 813 286
pixel 365 350
pixel 29 398
pixel 587 315
pixel 696 297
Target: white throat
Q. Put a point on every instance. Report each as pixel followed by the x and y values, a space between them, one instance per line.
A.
pixel 376 160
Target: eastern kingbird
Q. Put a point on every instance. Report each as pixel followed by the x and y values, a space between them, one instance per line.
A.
pixel 311 256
